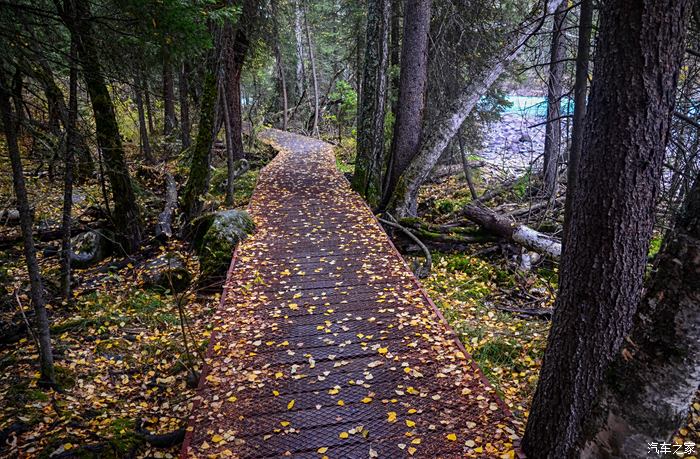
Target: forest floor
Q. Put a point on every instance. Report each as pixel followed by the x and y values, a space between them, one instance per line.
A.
pixel 119 348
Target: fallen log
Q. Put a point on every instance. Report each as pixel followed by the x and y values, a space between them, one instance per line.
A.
pixel 164 227
pixel 512 231
pixel 43 235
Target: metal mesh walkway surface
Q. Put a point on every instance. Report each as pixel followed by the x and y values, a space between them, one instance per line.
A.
pixel 325 345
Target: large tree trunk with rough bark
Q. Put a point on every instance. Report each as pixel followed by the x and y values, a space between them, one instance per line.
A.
pixel 552 139
pixel 11 128
pixel 583 56
pixel 413 83
pixel 602 267
pixel 395 54
pixel 402 200
pixel 126 214
pixel 370 159
pixel 650 386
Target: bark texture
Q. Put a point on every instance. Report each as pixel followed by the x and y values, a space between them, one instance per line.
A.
pixel 552 139
pixel 10 126
pixel 648 391
pixel 402 200
pixel 236 47
pixel 370 159
pixel 583 56
pixel 520 234
pixel 602 266
pixel 413 83
pixel 126 213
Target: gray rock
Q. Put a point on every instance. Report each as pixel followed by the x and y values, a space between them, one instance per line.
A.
pixel 167 272
pixel 90 247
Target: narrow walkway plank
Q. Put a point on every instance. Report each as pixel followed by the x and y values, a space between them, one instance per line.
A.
pixel 325 345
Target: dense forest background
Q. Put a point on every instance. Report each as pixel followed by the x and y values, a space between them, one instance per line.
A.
pixel 134 136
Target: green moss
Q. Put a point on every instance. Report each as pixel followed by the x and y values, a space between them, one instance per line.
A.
pixel 655 245
pixel 198 177
pixel 216 236
pixel 522 184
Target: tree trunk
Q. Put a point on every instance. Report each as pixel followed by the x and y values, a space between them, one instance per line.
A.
pixel 370 159
pixel 230 160
pixel 314 76
pixel 149 108
pixel 552 140
pixel 648 391
pixel 126 213
pixel 299 40
pixel 143 129
pixel 361 33
pixel 198 180
pixel 412 88
pixel 184 91
pixel 466 168
pixel 395 53
pixel 71 138
pixel 402 200
pixel 583 56
pixel 234 70
pixel 9 122
pixel 602 267
pixel 280 63
pixel 169 121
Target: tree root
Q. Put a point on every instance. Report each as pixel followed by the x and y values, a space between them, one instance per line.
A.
pixel 166 440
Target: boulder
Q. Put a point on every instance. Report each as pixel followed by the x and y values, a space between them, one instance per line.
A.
pixel 166 272
pixel 216 236
pixel 90 247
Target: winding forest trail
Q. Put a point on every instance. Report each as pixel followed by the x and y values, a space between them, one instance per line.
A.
pixel 326 345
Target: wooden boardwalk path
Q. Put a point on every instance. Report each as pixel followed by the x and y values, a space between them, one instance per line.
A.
pixel 325 345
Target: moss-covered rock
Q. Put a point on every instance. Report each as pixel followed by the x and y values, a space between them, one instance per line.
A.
pixel 215 237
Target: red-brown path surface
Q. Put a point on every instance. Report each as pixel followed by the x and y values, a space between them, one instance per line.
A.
pixel 325 345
